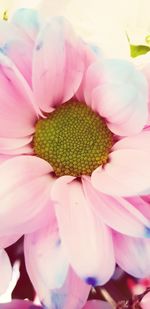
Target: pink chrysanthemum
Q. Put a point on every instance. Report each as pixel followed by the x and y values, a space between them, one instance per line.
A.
pixel 74 144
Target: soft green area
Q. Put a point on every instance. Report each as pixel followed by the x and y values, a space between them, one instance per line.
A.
pixel 73 139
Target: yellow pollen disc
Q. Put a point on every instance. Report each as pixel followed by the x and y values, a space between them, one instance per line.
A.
pixel 73 139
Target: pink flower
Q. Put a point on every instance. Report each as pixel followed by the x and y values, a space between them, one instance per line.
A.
pixel 23 304
pixel 138 286
pixel 75 159
pixel 19 304
pixel 145 303
pixel 96 304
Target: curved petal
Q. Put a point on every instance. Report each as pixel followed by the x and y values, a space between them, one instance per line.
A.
pixel 138 142
pixel 145 302
pixel 117 212
pixel 88 56
pixel 146 198
pixel 146 71
pixel 57 64
pixel 6 271
pixel 19 304
pixel 28 21
pixel 3 158
pixel 18 112
pixel 119 93
pixel 142 204
pixel 97 304
pixel 20 52
pixel 8 32
pixel 8 240
pixel 41 289
pixel 18 47
pixel 45 257
pixel 24 193
pixel 94 78
pixel 133 255
pixel 81 232
pixel 73 293
pixel 126 174
pixel 16 145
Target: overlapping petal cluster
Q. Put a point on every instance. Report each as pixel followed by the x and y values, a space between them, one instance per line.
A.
pixel 75 230
pixel 23 304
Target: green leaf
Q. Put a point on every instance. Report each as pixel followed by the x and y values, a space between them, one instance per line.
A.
pixel 138 50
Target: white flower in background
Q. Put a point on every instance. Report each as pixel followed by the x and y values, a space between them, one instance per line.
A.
pixel 94 20
pixel 138 30
pixel 53 7
pixel 98 22
pixel 138 22
pixel 101 23
pixel 106 23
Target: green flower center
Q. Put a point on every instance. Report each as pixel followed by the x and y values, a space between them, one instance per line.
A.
pixel 73 139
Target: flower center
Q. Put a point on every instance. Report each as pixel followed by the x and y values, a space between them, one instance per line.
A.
pixel 73 139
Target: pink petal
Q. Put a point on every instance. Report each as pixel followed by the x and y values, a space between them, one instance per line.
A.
pixel 145 302
pixel 42 290
pixel 3 158
pixel 18 112
pixel 118 93
pixel 117 212
pixel 20 53
pixel 19 304
pixel 24 194
pixel 16 145
pixel 28 21
pixel 133 255
pixel 94 78
pixel 45 258
pixel 88 57
pixel 146 198
pixel 81 232
pixel 73 293
pixel 8 240
pixel 141 205
pixel 140 141
pixel 126 174
pixel 18 47
pixel 57 64
pixel 34 269
pixel 7 32
pixel 146 71
pixel 97 304
pixel 6 271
